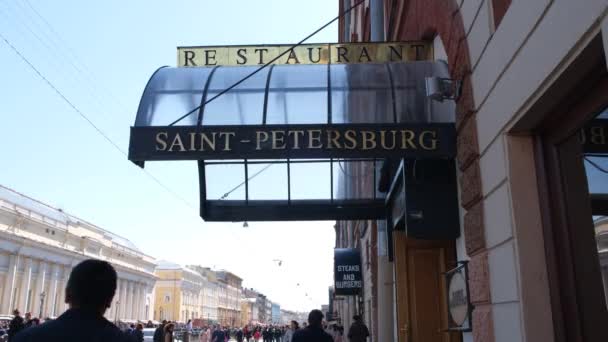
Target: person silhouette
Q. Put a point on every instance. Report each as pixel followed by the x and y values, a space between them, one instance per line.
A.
pixel 89 293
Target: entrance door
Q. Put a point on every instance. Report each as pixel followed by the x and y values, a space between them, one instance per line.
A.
pixel 421 292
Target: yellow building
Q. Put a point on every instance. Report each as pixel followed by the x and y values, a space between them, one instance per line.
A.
pixel 178 293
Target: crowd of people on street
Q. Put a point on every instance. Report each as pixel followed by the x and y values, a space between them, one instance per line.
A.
pixel 89 292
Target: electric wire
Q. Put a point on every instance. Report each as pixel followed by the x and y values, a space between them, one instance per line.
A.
pixel 340 15
pixel 596 165
pixel 84 116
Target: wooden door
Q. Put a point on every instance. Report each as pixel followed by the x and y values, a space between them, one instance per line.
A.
pixel 421 292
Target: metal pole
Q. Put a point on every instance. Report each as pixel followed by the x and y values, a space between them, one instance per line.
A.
pixel 41 303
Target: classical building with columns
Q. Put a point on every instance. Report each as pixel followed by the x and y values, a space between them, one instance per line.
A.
pixel 40 244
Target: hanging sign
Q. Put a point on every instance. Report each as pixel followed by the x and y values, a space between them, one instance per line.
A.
pixel 208 56
pixel 347 272
pixel 594 136
pixel 292 141
pixel 459 305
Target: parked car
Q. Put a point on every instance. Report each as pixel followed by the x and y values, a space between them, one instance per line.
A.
pixel 149 334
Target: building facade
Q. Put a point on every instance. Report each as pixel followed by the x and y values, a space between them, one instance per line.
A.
pixel 533 82
pixel 275 313
pixel 179 293
pixel 40 244
pixel 229 298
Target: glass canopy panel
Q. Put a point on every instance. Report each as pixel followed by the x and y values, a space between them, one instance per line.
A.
pixel 242 105
pixel 361 93
pixel 297 95
pixel 170 94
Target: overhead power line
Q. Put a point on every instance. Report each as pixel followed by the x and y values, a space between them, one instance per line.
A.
pixel 235 84
pixel 85 117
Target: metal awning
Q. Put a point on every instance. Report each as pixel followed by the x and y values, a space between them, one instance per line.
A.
pixel 324 186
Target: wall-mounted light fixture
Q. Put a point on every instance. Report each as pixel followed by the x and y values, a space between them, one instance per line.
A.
pixel 440 89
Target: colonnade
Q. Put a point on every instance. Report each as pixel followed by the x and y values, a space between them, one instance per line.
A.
pixel 38 286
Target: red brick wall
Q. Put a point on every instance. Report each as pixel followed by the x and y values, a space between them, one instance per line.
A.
pixel 424 20
pixel 500 8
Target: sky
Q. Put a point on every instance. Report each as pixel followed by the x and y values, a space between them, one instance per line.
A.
pixel 99 56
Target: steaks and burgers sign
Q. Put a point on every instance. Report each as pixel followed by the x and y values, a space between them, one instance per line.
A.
pixel 347 271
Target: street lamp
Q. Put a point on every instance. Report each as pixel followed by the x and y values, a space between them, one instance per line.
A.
pixel 42 294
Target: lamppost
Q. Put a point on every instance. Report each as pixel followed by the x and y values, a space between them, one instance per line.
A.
pixel 42 294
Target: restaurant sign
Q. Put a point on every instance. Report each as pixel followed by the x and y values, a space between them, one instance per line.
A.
pixel 347 272
pixel 458 297
pixel 292 141
pixel 207 56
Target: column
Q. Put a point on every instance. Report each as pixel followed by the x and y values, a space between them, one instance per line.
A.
pixel 116 302
pixel 135 312
pixel 130 300
pixel 54 293
pixel 142 302
pixel 9 284
pixel 125 299
pixel 41 280
pixel 25 286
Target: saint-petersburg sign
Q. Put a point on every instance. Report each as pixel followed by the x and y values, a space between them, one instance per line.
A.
pixel 292 141
pixel 208 56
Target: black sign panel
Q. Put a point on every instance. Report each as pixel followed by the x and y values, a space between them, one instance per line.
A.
pixel 292 141
pixel 595 136
pixel 347 272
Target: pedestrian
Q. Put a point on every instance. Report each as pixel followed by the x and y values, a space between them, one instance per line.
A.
pixel 239 335
pixel 314 331
pixel 28 320
pixel 257 334
pixel 168 332
pixel 187 331
pixel 358 331
pixel 338 336
pixel 218 335
pixel 89 292
pixel 138 333
pixel 159 332
pixel 16 325
pixel 293 326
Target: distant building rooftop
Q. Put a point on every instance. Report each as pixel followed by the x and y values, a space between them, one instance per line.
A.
pixel 56 214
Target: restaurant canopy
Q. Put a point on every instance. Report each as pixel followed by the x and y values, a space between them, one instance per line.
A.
pixel 278 147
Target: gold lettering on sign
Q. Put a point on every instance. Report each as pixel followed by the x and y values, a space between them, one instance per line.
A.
pixel 369 140
pixel 210 142
pixel 278 137
pixel 351 136
pixel 161 141
pixel 177 141
pixel 227 136
pixel 407 137
pixel 297 134
pixel 338 53
pixel 433 140
pixel 383 140
pixel 259 139
pixel 314 138
pixel 332 139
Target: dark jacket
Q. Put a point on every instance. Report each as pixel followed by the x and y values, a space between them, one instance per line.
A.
pixel 16 325
pixel 138 335
pixel 74 325
pixel 158 333
pixel 311 334
pixel 358 332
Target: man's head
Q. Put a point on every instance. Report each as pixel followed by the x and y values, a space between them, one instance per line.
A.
pixel 315 318
pixel 91 286
pixel 164 322
pixel 28 315
pixel 357 318
pixel 16 312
